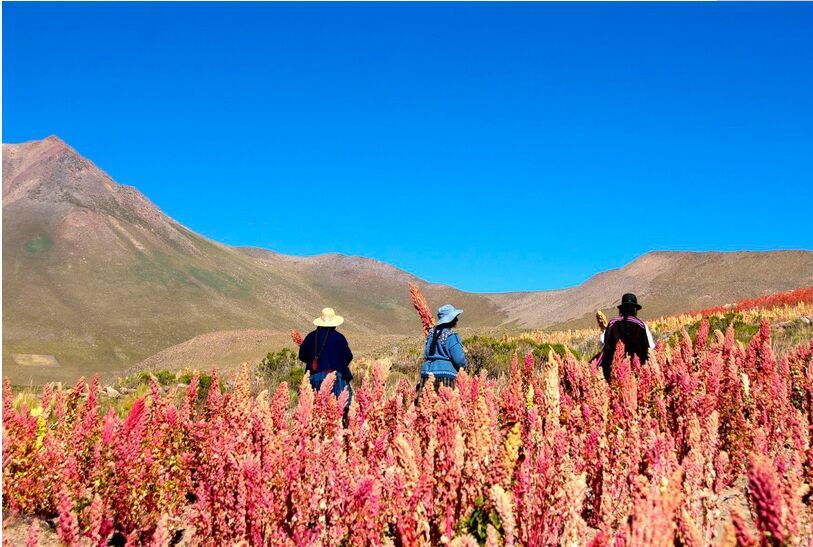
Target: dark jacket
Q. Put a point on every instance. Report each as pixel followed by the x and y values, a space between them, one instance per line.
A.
pixel 632 332
pixel 333 352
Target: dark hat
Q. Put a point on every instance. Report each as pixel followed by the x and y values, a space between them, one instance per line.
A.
pixel 629 300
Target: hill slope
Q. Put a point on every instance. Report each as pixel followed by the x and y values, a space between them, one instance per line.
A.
pixel 666 283
pixel 97 278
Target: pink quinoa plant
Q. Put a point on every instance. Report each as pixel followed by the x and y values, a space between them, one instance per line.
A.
pixel 550 454
pixel 33 534
pixel 68 527
pixel 424 313
pixel 764 492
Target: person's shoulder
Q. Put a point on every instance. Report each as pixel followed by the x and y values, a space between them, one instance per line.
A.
pixel 625 318
pixel 614 321
pixel 340 336
pixel 638 322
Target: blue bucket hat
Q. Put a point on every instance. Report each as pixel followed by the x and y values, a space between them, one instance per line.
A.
pixel 447 313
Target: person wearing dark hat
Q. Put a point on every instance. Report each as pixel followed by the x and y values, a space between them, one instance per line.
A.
pixel 443 353
pixel 630 330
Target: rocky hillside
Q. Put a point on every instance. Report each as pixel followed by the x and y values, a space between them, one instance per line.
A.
pixel 96 278
pixel 665 283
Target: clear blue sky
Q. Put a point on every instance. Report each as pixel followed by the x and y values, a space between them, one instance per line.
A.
pixel 492 147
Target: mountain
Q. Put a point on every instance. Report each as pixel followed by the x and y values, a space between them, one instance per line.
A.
pixel 96 279
pixel 97 276
pixel 665 283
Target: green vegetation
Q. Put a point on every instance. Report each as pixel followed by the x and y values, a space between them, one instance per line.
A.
pixel 789 336
pixel 136 386
pixel 278 360
pixel 159 269
pixel 282 366
pixel 39 244
pixel 164 377
pixel 543 350
pixel 494 355
pixel 484 353
pixel 476 523
pixel 204 382
pixel 742 331
pixel 222 283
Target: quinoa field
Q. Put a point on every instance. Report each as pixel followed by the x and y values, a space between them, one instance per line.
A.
pixel 708 443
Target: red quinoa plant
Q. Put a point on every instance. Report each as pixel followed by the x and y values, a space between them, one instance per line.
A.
pixel 550 454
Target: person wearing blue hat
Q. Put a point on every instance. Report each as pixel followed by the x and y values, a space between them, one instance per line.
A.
pixel 443 353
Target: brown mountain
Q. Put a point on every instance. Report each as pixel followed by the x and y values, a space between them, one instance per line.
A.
pixel 665 283
pixel 96 278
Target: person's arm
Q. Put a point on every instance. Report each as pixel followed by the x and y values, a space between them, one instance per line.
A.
pixel 601 338
pixel 601 320
pixel 346 356
pixel 455 348
pixel 607 352
pixel 305 353
pixel 649 337
pixel 427 344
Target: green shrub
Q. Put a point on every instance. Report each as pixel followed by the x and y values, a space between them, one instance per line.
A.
pixel 278 360
pixel 39 244
pixel 282 366
pixel 743 331
pixel 494 355
pixel 544 349
pixel 164 377
pixel 204 383
pixel 476 523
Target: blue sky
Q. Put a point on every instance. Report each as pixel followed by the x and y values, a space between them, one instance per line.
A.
pixel 492 147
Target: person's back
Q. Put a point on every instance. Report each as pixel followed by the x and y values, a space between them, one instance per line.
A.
pixel 443 352
pixel 325 351
pixel 629 330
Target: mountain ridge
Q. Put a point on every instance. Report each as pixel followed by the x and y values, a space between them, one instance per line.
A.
pixel 662 279
pixel 100 278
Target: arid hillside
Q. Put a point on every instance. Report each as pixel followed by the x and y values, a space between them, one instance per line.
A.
pixel 96 279
pixel 666 283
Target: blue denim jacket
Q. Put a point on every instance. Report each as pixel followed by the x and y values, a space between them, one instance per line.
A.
pixel 448 356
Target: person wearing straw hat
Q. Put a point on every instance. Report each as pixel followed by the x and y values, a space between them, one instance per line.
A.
pixel 630 330
pixel 326 350
pixel 443 353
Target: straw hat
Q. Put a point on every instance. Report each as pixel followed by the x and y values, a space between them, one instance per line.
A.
pixel 328 319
